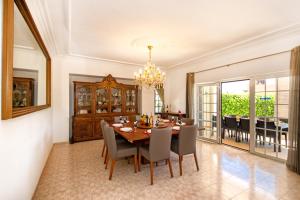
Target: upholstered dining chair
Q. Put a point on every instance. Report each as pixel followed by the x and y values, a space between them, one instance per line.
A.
pixel 158 149
pixel 118 150
pixel 188 121
pixel 185 144
pixel 104 148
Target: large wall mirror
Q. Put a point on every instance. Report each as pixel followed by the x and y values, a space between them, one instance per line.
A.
pixel 26 63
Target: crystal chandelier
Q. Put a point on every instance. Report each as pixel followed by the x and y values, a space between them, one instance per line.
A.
pixel 150 76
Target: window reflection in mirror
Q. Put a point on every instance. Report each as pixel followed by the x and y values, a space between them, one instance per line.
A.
pixel 29 66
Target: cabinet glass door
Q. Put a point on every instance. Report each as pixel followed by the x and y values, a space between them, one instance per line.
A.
pixel 130 103
pixel 102 100
pixel 84 100
pixel 116 100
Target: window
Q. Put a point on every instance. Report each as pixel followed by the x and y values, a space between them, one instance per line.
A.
pixel 158 104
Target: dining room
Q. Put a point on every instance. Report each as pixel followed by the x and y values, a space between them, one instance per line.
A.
pixel 150 99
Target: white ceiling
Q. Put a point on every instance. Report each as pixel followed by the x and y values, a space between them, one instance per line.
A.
pixel 119 29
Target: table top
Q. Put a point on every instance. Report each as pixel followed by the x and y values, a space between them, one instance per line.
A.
pixel 138 134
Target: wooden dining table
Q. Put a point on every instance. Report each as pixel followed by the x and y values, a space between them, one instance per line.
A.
pixel 138 135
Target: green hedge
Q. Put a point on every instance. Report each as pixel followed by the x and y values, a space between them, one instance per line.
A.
pixel 233 104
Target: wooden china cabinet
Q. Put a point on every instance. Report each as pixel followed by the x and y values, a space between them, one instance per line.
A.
pixel 23 92
pixel 101 100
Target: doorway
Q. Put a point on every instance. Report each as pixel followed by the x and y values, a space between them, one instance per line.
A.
pixel 235 112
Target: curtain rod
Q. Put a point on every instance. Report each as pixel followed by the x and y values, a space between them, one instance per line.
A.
pixel 238 62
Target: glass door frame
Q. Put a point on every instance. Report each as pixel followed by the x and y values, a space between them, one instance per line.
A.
pixel 196 113
pixel 252 111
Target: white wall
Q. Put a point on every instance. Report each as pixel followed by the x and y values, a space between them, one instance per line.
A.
pixel 63 66
pixel 33 60
pixel 176 77
pixel 25 143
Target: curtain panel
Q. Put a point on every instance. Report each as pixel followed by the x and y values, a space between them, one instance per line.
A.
pixel 190 82
pixel 161 95
pixel 293 159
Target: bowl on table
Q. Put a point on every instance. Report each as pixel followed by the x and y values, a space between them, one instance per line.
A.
pixel 177 128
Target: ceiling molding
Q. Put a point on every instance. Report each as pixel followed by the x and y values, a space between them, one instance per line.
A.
pixel 23 47
pixel 104 59
pixel 39 10
pixel 251 41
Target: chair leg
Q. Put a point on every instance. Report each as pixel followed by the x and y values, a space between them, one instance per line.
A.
pixel 105 157
pixel 151 172
pixel 139 162
pixel 135 163
pixel 170 167
pixel 103 149
pixel 196 161
pixel 113 162
pixel 107 161
pixel 180 165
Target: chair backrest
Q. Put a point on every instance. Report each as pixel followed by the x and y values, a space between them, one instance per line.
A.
pixel 231 122
pixel 187 139
pixel 102 124
pixel 160 143
pixel 188 121
pixel 271 128
pixel 111 141
pixel 245 124
pixel 271 125
pixel 260 123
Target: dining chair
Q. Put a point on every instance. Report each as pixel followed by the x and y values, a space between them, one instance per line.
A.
pixel 104 149
pixel 244 128
pixel 269 127
pixel 185 144
pixel 158 149
pixel 188 121
pixel 117 151
pixel 231 125
pixel 102 123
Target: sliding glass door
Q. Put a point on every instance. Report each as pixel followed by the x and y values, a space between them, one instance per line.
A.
pixel 207 112
pixel 271 116
pixel 265 111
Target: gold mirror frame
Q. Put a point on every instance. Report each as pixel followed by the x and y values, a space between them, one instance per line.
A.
pixel 7 59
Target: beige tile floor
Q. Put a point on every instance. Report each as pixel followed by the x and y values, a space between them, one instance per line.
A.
pixel 77 172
